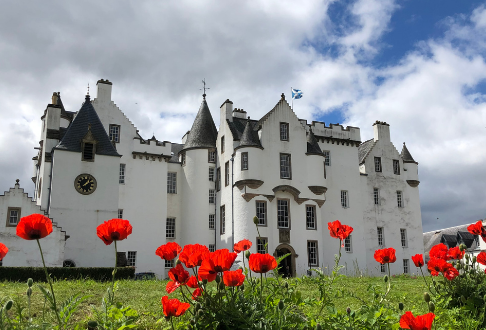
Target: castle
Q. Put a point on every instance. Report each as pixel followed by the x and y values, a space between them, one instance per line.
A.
pixel 93 165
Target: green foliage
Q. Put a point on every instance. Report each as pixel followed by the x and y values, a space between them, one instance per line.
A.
pixel 22 274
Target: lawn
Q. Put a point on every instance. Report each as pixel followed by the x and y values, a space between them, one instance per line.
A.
pixel 145 296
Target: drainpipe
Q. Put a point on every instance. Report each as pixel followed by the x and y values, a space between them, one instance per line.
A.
pixel 215 194
pixel 232 202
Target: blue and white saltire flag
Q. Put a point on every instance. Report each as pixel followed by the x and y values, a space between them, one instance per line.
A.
pixel 297 93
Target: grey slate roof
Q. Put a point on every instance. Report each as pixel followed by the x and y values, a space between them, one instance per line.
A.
pixel 68 114
pixel 312 145
pixel 465 237
pixel 79 127
pixel 449 240
pixel 249 138
pixel 175 148
pixel 364 149
pixel 406 156
pixel 203 133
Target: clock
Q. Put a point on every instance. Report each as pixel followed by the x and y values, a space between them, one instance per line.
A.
pixel 85 184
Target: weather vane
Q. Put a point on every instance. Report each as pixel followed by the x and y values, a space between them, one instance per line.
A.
pixel 88 89
pixel 204 87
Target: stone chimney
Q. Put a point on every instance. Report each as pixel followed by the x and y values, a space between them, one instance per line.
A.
pixel 381 131
pixel 226 112
pixel 239 113
pixel 54 98
pixel 104 90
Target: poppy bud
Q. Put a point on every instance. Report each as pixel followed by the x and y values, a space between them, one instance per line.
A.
pixel 218 279
pixel 468 256
pixel 474 259
pixel 426 297
pixel 400 306
pixel 431 307
pixel 193 322
pixel 200 313
pixel 466 267
pixel 385 278
pixel 459 266
pixel 29 292
pixel 463 299
pixel 221 286
pixel 247 254
pixel 318 326
pixel 92 324
pixel 281 305
pixel 462 247
pixel 255 220
pixel 348 310
pixel 353 313
pixel 30 282
pixel 178 262
pixel 8 305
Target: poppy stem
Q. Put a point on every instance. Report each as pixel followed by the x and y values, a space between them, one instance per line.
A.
pixel 172 323
pixel 428 285
pixel 261 287
pixel 50 284
pixel 113 277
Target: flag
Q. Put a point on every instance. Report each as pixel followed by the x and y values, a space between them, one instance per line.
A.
pixel 297 93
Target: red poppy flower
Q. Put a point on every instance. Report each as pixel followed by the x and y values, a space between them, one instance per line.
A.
pixel 455 253
pixel 233 278
pixel 439 251
pixel 34 226
pixel 385 256
pixel 481 258
pixel 476 228
pixel 337 230
pixel 242 245
pixel 196 293
pixel 418 260
pixel 421 322
pixel 179 276
pixel 173 307
pixel 192 282
pixel 217 261
pixel 168 251
pixel 262 263
pixel 3 251
pixel 114 230
pixel 436 266
pixel 450 272
pixel 193 254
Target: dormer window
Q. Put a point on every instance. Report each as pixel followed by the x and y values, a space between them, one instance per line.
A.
pixel 88 150
pixel 88 146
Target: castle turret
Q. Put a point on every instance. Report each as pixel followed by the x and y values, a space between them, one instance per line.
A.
pixel 315 164
pixel 410 166
pixel 248 156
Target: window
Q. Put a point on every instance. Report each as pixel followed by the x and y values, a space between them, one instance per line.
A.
pixel 376 196
pixel 405 266
pixel 285 170
pixel 244 161
pixel 403 237
pixel 218 179
pixel 396 166
pixel 170 228
pixel 121 178
pixel 325 174
pixel 310 213
pixel 399 199
pixel 212 248
pixel 211 196
pixel 69 263
pixel 283 218
pixel 348 247
pixel 171 182
pixel 222 217
pixel 211 156
pixel 261 212
pixel 13 216
pixel 284 131
pixel 222 144
pixel 377 164
pixel 88 152
pixel 312 253
pixel 211 221
pixel 382 268
pixel 120 214
pixel 344 199
pixel 327 154
pixel 211 174
pixel 115 133
pixel 131 258
pixel 226 173
pixel 381 236
pixel 183 158
pixel 261 244
pixel 169 263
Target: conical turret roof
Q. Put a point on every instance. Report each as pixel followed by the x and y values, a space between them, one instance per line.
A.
pixel 203 133
pixel 312 145
pixel 86 119
pixel 249 138
pixel 406 156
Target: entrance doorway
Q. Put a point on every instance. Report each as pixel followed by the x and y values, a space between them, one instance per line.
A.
pixel 287 265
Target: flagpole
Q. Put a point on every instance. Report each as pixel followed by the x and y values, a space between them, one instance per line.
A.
pixel 292 98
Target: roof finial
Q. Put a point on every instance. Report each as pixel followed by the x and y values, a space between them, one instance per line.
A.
pixel 282 96
pixel 88 90
pixel 204 88
pixel 17 181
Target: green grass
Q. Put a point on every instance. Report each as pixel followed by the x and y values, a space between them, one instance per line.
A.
pixel 145 296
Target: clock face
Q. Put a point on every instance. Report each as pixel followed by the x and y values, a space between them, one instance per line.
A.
pixel 85 184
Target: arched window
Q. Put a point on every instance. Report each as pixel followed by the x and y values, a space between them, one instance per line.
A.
pixel 68 263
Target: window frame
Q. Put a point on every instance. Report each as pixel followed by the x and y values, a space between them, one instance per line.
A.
pixel 288 213
pixel 211 156
pixel 399 198
pixel 286 131
pixel 212 247
pixel 222 220
pixel 169 263
pixel 226 174
pixel 212 196
pixel 261 241
pixel 172 182
pixel 348 241
pixel 403 237
pixel 222 144
pixel 327 155
pixel 265 213
pixel 218 179
pixel 211 174
pixel 378 165
pixel 110 132
pixel 396 166
pixel 345 200
pixel 380 231
pixel 129 262
pixel 316 264
pixel 183 158
pixel 212 221
pixel 121 176
pixel 406 266
pixel 289 165
pixel 313 207
pixel 120 213
pixel 376 196
pixel 9 209
pixel 383 268
pixel 244 161
pixel 173 230
pixel 83 151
